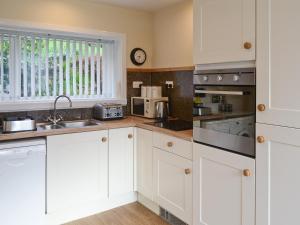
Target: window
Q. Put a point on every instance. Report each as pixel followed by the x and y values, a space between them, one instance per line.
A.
pixel 35 67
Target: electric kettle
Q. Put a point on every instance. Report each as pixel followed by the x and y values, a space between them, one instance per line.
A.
pixel 161 110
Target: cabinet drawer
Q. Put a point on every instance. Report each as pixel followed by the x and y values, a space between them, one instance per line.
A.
pixel 175 145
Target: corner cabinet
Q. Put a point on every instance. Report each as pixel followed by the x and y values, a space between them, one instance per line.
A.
pixel 278 181
pixel 224 187
pixel 278 67
pixel 173 184
pixel 224 31
pixel 144 163
pixel 121 161
pixel 77 169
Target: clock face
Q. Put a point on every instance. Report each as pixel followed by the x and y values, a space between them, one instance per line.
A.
pixel 138 56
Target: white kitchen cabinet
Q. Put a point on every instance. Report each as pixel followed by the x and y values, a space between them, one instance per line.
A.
pixel 144 163
pixel 224 31
pixel 278 67
pixel 278 181
pixel 172 144
pixel 121 161
pixel 173 184
pixel 224 188
pixel 77 169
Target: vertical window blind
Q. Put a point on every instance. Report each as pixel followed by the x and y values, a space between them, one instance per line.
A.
pixel 37 67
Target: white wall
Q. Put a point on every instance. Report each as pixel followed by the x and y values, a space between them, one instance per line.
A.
pixel 173 36
pixel 137 25
pixel 166 35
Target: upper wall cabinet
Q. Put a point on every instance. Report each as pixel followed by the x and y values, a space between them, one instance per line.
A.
pixel 224 31
pixel 278 67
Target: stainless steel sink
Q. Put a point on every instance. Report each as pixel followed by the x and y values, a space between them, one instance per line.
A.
pixel 50 127
pixel 78 124
pixel 69 124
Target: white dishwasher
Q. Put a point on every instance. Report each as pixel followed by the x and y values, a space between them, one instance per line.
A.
pixel 22 182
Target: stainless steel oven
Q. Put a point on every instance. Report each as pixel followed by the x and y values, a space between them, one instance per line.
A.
pixel 224 109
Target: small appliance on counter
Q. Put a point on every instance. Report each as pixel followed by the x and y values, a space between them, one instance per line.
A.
pixel 161 110
pixel 145 107
pixel 106 111
pixel 18 124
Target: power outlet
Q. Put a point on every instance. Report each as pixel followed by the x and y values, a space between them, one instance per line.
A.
pixel 170 84
pixel 137 84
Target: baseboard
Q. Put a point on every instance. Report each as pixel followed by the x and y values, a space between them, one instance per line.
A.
pixel 148 204
pixel 88 209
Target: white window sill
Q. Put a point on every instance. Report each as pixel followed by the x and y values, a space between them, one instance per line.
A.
pixel 48 105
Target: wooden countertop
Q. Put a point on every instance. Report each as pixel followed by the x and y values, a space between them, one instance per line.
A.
pixel 103 125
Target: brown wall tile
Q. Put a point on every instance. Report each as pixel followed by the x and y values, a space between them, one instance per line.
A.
pixel 181 96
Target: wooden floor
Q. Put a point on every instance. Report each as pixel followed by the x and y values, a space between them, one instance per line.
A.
pixel 132 214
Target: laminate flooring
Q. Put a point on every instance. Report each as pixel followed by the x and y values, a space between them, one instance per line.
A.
pixel 131 214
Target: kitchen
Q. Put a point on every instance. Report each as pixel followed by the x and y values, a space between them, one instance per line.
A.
pixel 149 112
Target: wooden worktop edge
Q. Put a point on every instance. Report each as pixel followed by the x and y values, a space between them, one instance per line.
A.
pixel 157 70
pixel 128 122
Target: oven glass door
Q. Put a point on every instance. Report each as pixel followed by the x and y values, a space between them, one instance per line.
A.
pixel 224 117
pixel 138 106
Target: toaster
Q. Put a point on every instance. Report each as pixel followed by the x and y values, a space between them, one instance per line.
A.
pixel 108 111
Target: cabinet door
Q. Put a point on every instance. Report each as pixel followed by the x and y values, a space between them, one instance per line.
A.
pixel 221 30
pixel 145 163
pixel 173 184
pixel 77 169
pixel 121 163
pixel 224 187
pixel 278 67
pixel 278 181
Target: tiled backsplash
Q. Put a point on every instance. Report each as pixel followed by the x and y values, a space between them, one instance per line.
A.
pixel 181 96
pixel 41 116
pixel 133 92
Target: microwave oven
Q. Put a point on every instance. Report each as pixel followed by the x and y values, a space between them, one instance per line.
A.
pixel 145 107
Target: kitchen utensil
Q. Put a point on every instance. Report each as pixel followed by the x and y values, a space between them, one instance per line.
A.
pixel 18 124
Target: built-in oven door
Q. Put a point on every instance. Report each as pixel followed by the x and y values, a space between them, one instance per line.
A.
pixel 138 106
pixel 228 121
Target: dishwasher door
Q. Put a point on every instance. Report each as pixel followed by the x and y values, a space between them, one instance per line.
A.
pixel 22 184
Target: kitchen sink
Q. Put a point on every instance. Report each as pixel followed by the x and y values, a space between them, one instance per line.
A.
pixel 49 127
pixel 78 124
pixel 69 124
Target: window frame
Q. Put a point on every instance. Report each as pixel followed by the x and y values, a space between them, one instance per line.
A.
pixel 76 32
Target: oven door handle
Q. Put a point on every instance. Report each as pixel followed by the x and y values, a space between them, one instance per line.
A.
pixel 221 92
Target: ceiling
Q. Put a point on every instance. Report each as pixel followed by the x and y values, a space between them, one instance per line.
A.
pixel 147 5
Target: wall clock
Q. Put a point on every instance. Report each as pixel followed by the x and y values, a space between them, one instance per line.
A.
pixel 138 56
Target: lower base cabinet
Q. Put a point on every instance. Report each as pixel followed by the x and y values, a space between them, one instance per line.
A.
pixel 278 180
pixel 172 178
pixel 144 163
pixel 77 169
pixel 224 187
pixel 121 161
